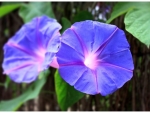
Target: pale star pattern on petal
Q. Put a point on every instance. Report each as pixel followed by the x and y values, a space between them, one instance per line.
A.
pixel 95 57
pixel 31 49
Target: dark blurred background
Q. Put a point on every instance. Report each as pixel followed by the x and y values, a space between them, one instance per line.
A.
pixel 134 95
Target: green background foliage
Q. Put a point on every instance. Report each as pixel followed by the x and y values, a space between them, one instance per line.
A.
pixel 136 20
pixel 33 9
pixel 31 93
pixel 5 9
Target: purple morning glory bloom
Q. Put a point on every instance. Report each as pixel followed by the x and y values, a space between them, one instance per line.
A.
pixel 95 58
pixel 31 49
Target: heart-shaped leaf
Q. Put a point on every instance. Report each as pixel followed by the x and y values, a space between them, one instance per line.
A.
pixel 66 94
pixel 137 22
pixel 123 7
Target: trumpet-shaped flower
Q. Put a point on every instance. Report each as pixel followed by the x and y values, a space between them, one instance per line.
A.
pixel 31 49
pixel 95 58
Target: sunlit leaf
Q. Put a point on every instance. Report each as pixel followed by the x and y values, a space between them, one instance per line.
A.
pixel 122 7
pixel 137 22
pixel 66 94
pixel 5 9
pixel 33 9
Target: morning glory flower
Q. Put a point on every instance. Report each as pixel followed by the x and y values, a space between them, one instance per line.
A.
pixel 31 49
pixel 95 58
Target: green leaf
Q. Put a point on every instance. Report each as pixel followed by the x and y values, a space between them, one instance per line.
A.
pixel 43 73
pixel 31 93
pixel 82 15
pixel 34 9
pixel 123 7
pixel 7 82
pixel 5 9
pixel 8 3
pixel 65 24
pixel 137 22
pixel 66 94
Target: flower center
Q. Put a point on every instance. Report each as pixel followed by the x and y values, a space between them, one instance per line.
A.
pixel 40 59
pixel 91 60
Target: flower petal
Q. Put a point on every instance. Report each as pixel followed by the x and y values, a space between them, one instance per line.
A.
pixel 103 53
pixel 71 74
pixel 92 33
pixel 122 59
pixel 70 38
pixel 111 78
pixel 67 54
pixel 30 71
pixel 87 83
pixel 116 43
pixel 31 49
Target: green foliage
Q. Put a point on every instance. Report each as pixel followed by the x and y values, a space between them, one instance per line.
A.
pixel 6 83
pixel 137 22
pixel 65 24
pixel 5 9
pixel 66 94
pixel 31 93
pixel 34 9
pixel 82 15
pixel 43 73
pixel 8 3
pixel 123 7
